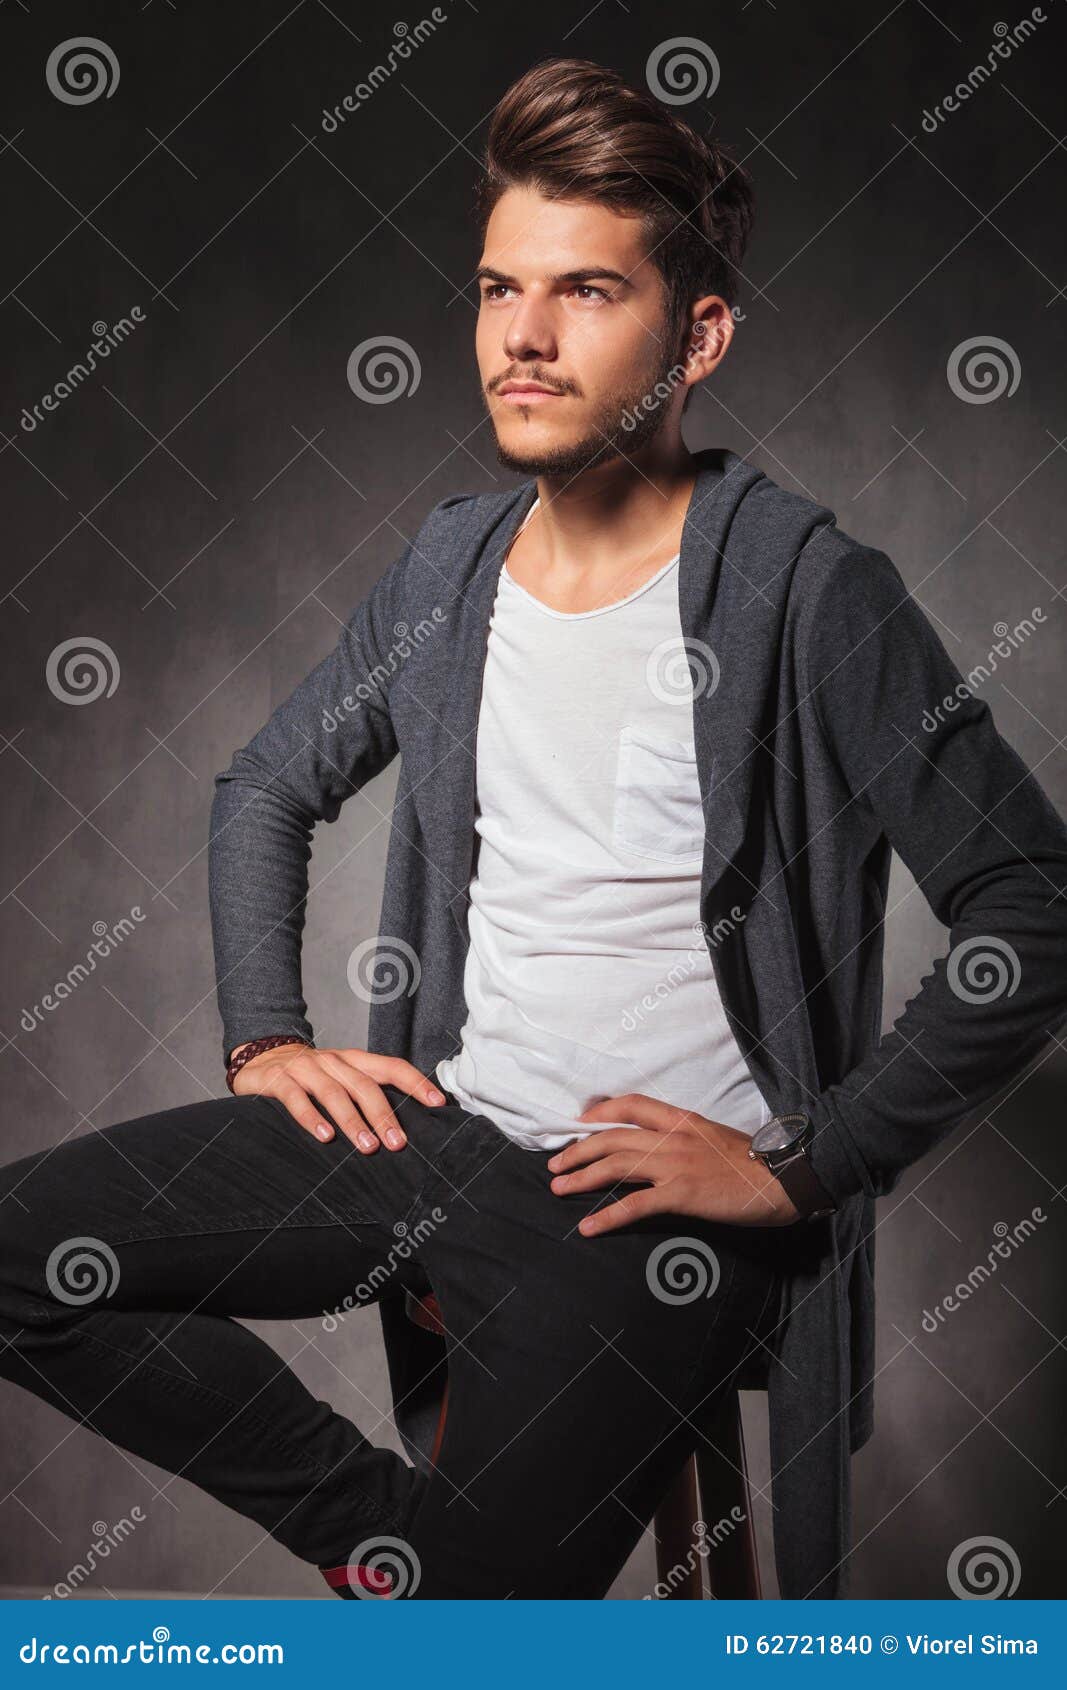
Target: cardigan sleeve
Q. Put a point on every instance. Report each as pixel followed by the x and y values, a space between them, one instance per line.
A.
pixel 326 740
pixel 986 848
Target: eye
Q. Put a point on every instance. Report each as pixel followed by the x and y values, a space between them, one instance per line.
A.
pixel 492 291
pixel 586 291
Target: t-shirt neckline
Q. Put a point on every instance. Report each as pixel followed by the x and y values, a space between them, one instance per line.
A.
pixel 578 615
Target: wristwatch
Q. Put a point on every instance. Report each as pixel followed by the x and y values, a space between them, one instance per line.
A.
pixel 782 1145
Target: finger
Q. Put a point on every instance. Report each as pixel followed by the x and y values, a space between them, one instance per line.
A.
pixel 632 1207
pixel 300 1107
pixel 394 1071
pixel 609 1170
pixel 377 1117
pixel 336 1099
pixel 374 1108
pixel 637 1108
pixel 587 1149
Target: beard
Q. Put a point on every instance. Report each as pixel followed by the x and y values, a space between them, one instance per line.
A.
pixel 624 422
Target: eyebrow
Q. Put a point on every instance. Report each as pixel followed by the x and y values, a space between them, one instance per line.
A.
pixel 590 273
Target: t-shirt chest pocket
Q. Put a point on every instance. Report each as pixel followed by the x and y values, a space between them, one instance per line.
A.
pixel 658 812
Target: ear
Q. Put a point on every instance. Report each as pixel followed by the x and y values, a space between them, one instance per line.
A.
pixel 711 328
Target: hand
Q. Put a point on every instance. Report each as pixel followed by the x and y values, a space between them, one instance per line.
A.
pixel 339 1080
pixel 694 1167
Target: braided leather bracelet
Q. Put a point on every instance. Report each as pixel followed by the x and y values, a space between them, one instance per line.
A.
pixel 256 1048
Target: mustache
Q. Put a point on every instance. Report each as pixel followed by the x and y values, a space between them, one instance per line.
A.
pixel 533 375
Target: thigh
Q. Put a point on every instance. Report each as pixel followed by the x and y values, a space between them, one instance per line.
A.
pixel 228 1205
pixel 577 1369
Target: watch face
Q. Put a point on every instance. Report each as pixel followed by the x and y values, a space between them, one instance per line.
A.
pixel 779 1133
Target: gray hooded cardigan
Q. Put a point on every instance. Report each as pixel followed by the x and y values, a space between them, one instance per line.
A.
pixel 838 728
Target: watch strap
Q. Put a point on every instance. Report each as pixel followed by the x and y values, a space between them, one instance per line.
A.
pixel 803 1187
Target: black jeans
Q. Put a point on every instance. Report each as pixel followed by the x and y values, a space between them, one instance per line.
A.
pixel 576 1365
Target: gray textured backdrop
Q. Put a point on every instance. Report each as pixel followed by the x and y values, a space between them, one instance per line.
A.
pixel 212 500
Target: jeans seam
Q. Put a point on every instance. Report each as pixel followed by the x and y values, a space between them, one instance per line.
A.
pixel 710 1330
pixel 255 1222
pixel 206 1393
pixel 757 1324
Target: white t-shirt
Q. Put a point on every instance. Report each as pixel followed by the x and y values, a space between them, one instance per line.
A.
pixel 587 974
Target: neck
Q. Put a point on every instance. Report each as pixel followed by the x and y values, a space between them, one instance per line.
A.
pixel 626 509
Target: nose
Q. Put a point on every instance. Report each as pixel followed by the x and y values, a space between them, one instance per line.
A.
pixel 529 334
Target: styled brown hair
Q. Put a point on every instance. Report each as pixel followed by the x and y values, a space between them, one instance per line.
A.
pixel 572 129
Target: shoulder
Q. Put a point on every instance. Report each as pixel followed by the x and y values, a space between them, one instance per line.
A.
pixel 843 583
pixel 843 604
pixel 463 520
pixel 448 542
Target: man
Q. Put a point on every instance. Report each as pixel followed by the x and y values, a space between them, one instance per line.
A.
pixel 625 1107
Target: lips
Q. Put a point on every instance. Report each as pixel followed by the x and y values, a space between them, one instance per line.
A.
pixel 520 393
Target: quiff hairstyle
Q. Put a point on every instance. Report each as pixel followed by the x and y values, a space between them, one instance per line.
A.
pixel 575 130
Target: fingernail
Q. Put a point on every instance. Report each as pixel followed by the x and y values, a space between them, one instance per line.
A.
pixel 324 1132
pixel 394 1138
pixel 434 1095
pixel 366 1140
pixel 553 1162
pixel 559 1183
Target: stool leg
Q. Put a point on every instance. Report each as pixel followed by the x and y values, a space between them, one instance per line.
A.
pixel 733 1561
pixel 440 1431
pixel 675 1537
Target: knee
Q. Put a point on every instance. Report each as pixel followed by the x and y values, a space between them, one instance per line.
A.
pixel 44 1270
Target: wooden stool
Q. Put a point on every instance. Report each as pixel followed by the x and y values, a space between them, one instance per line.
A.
pixel 713 1479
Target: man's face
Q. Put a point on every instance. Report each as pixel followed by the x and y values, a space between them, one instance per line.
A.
pixel 571 303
